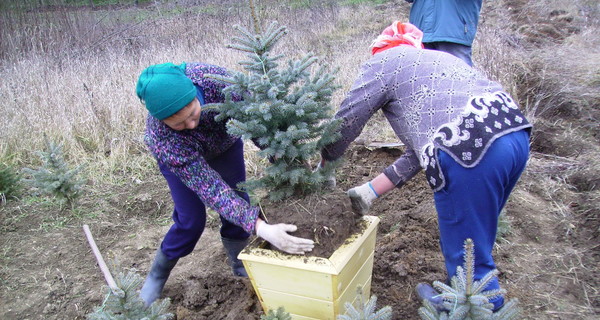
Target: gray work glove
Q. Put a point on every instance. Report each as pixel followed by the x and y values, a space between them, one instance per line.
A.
pixel 362 198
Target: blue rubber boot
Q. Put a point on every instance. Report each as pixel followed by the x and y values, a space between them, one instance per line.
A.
pixel 425 291
pixel 233 247
pixel 155 282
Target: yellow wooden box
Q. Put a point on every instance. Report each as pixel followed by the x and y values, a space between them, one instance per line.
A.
pixel 312 287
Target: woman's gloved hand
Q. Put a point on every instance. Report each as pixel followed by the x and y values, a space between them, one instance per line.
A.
pixel 362 198
pixel 277 235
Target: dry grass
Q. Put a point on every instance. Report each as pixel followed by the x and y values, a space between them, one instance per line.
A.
pixel 563 84
pixel 72 76
pixel 554 271
pixel 547 55
pixel 496 51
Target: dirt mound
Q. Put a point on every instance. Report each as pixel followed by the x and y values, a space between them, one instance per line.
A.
pixel 63 281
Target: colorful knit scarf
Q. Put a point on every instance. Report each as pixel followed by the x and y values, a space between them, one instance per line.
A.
pixel 398 34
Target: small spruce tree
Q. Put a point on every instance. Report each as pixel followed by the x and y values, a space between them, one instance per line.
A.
pixel 126 304
pixel 279 315
pixel 287 112
pixel 466 298
pixel 504 227
pixel 54 176
pixel 9 182
pixel 365 310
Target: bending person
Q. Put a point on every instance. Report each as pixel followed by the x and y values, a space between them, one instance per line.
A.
pixel 202 165
pixel 461 128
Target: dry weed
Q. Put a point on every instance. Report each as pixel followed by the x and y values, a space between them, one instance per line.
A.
pixel 81 93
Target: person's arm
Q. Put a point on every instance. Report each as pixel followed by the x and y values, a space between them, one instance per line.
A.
pixel 187 163
pixel 393 176
pixel 404 168
pixel 369 93
pixel 216 194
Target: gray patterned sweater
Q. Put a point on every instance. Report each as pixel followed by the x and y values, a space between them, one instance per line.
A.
pixel 433 101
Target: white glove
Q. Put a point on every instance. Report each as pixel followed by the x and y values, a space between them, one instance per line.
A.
pixel 278 236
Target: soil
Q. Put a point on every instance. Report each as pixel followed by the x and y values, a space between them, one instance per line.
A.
pixel 326 218
pixel 49 272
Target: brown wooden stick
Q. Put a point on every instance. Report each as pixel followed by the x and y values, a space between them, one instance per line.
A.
pixel 107 276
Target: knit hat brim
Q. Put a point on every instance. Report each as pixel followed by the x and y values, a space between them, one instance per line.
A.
pixel 165 89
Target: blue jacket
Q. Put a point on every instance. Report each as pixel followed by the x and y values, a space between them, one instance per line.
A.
pixel 446 20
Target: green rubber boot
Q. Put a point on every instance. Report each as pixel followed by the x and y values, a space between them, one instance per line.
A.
pixel 159 273
pixel 233 247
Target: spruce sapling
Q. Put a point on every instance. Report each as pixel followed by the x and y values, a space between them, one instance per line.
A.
pixel 504 227
pixel 466 298
pixel 9 182
pixel 365 310
pixel 127 305
pixel 287 112
pixel 54 176
pixel 123 301
pixel 279 315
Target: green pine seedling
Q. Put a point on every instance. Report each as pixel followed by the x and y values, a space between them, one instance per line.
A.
pixel 54 176
pixel 466 298
pixel 9 182
pixel 287 112
pixel 126 304
pixel 504 227
pixel 365 310
pixel 279 315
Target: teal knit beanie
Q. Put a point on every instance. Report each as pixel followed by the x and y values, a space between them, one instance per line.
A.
pixel 165 89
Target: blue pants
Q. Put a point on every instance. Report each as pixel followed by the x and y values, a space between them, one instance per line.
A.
pixel 189 213
pixel 456 49
pixel 471 201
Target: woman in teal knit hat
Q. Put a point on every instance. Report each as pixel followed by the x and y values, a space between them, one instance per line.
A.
pixel 202 164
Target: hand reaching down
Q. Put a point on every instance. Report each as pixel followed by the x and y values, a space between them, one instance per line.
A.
pixel 278 236
pixel 362 197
